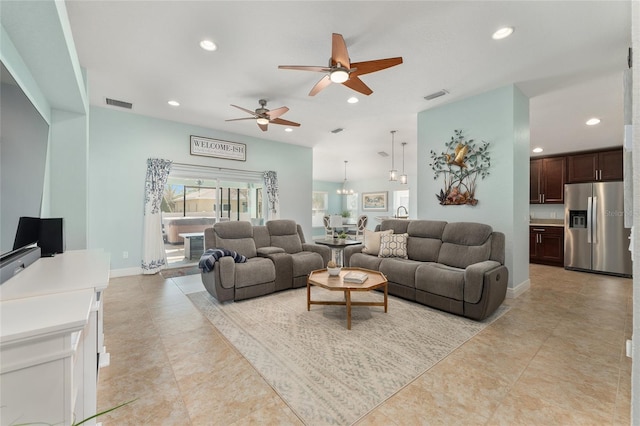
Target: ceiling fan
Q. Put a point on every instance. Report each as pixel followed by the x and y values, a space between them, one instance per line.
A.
pixel 341 70
pixel 263 116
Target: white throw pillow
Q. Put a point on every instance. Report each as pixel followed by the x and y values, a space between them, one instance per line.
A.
pixel 394 245
pixel 372 241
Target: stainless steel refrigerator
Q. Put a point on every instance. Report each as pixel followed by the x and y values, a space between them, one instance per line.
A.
pixel 595 238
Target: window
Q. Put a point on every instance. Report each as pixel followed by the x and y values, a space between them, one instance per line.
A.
pixel 319 207
pixel 401 199
pixel 196 197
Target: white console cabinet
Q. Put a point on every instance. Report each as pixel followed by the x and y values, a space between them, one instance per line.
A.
pixel 51 339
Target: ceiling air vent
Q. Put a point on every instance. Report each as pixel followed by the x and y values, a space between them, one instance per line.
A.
pixel 436 95
pixel 383 154
pixel 121 104
pixel 338 130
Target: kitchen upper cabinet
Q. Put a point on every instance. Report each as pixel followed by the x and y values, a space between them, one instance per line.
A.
pixel 601 166
pixel 547 179
pixel 546 245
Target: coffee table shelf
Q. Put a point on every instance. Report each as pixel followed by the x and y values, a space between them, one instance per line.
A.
pixel 321 278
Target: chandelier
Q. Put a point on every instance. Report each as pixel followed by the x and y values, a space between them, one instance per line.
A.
pixel 344 190
pixel 393 173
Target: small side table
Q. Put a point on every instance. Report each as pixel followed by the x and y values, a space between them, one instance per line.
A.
pixel 337 245
pixel 193 244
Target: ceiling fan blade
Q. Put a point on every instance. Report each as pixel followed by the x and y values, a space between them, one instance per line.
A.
pixel 248 111
pixel 324 82
pixel 339 51
pixel 238 119
pixel 275 113
pixel 367 67
pixel 284 122
pixel 263 127
pixel 304 68
pixel 358 85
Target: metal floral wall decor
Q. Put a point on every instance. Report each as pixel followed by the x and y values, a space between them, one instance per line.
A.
pixel 460 166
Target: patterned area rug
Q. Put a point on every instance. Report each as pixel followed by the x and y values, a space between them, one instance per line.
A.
pixel 327 374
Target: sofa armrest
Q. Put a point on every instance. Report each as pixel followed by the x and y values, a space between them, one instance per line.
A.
pixel 474 279
pixel 324 251
pixel 266 251
pixel 227 267
pixel 349 250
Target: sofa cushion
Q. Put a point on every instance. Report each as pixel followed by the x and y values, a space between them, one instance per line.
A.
pixel 393 245
pixel 425 239
pixel 400 271
pixel 305 262
pixel 236 236
pixel 257 270
pixel 284 233
pixel 465 243
pixel 440 279
pixel 366 261
pixel 398 226
pixel 372 241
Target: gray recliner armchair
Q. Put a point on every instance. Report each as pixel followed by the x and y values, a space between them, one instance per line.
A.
pixel 305 257
pixel 237 281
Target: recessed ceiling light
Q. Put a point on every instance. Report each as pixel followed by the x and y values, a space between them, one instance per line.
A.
pixel 352 100
pixel 593 121
pixel 208 45
pixel 503 32
pixel 537 150
pixel 174 103
pixel 288 129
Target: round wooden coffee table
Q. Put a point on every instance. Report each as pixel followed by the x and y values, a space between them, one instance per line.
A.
pixel 321 278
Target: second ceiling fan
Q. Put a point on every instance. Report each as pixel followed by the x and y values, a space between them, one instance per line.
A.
pixel 342 70
pixel 264 116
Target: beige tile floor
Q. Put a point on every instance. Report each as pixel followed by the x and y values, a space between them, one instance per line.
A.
pixel 556 358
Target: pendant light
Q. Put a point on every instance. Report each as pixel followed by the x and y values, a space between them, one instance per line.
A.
pixel 403 176
pixel 393 173
pixel 344 190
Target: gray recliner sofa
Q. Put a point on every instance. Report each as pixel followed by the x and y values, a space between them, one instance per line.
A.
pixel 455 267
pixel 278 258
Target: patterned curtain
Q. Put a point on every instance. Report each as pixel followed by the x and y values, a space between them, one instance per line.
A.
pixel 154 258
pixel 273 196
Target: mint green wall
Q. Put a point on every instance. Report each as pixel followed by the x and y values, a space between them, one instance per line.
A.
pixel 500 117
pixel 68 152
pixel 121 142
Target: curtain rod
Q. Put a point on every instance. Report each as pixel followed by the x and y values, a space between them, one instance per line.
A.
pixel 215 167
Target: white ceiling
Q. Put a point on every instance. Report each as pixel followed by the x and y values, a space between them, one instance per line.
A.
pixel 568 57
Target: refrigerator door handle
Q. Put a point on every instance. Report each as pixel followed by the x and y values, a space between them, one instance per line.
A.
pixel 589 218
pixel 594 220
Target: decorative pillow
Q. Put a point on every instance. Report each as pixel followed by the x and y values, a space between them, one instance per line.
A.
pixel 210 257
pixel 394 245
pixel 372 241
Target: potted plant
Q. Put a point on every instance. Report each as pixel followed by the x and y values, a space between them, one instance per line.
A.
pixel 346 214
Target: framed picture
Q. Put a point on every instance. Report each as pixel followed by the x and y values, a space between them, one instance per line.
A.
pixel 374 201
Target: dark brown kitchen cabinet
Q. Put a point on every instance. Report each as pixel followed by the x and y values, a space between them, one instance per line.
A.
pixel 600 166
pixel 546 245
pixel 547 179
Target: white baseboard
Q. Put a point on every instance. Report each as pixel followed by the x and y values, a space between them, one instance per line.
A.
pixel 513 292
pixel 125 272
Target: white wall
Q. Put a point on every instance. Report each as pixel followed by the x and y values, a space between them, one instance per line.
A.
pixel 121 142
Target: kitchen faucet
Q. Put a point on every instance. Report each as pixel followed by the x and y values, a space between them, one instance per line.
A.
pixel 406 212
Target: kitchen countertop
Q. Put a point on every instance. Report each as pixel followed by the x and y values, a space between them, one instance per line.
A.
pixel 546 222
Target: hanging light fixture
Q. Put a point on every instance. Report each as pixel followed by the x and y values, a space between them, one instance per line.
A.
pixel 393 173
pixel 403 176
pixel 344 190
